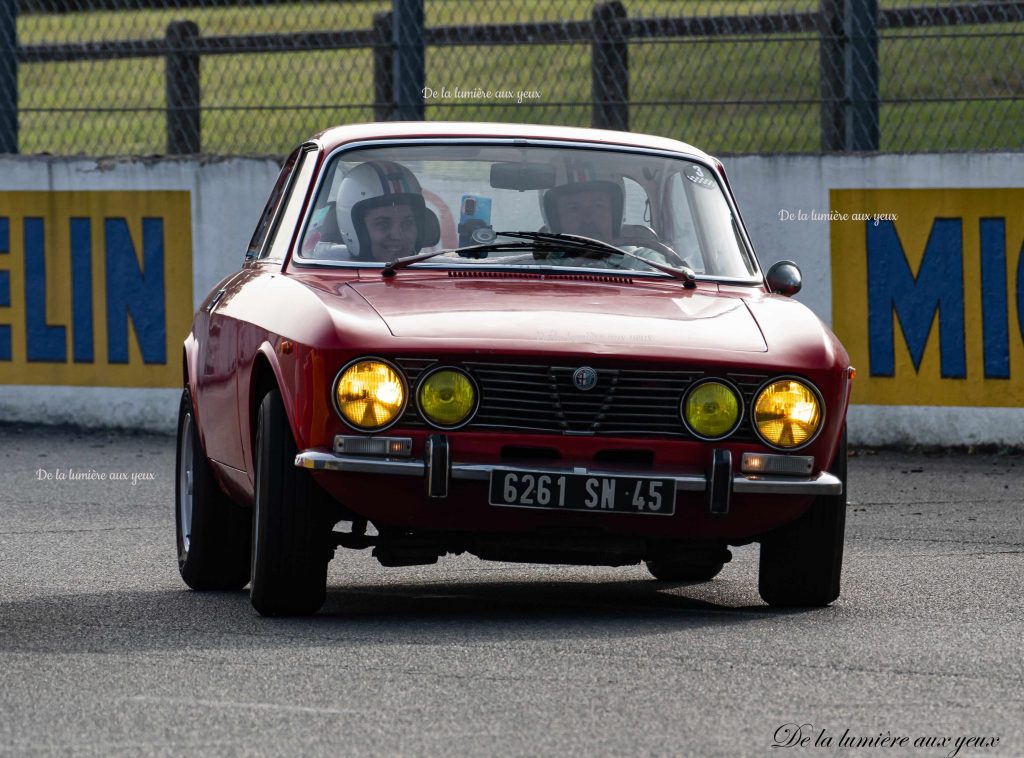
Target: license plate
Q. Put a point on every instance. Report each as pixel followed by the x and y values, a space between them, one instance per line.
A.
pixel 583 492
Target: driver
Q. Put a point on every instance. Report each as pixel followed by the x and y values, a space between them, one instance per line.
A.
pixel 593 208
pixel 381 214
pixel 588 208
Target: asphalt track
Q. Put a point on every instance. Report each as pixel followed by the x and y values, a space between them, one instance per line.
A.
pixel 103 651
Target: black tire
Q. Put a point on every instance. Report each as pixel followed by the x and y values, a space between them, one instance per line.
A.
pixel 290 527
pixel 801 563
pixel 213 531
pixel 667 570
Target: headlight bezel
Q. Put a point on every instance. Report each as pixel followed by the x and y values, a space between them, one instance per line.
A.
pixel 817 396
pixel 421 381
pixel 371 359
pixel 739 404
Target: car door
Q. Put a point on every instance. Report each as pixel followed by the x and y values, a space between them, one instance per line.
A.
pixel 266 263
pixel 217 377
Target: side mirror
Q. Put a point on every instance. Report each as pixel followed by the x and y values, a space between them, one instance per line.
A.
pixel 784 278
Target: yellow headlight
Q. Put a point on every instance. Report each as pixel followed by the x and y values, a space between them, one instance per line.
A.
pixel 447 397
pixel 712 409
pixel 787 413
pixel 370 394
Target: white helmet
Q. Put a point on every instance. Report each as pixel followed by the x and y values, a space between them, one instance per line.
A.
pixel 377 184
pixel 582 177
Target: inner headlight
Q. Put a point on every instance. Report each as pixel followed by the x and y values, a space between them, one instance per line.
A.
pixel 712 409
pixel 370 394
pixel 787 413
pixel 447 397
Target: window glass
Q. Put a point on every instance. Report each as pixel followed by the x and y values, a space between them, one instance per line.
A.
pixel 683 234
pixel 378 204
pixel 285 227
pixel 270 210
pixel 636 209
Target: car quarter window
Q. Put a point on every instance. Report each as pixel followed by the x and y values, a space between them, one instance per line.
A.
pixel 284 227
pixel 270 210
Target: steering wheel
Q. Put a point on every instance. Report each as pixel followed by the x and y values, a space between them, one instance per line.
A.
pixel 659 247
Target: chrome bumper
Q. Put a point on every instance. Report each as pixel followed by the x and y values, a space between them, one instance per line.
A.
pixel 819 484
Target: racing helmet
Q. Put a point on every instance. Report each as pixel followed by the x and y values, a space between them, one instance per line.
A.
pixel 577 177
pixel 378 184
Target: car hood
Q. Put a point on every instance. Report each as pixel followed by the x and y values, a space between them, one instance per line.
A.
pixel 595 314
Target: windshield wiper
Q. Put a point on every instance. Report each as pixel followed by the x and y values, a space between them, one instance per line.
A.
pixel 567 240
pixel 494 247
pixel 595 246
pixel 547 242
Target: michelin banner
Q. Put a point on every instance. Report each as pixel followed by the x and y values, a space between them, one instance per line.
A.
pixel 102 265
pixel 95 287
pixel 928 294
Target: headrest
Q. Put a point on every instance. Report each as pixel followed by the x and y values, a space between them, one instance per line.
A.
pixel 431 232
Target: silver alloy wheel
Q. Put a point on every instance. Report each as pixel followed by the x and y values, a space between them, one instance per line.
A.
pixel 185 477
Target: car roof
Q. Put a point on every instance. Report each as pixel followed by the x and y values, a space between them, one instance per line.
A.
pixel 340 135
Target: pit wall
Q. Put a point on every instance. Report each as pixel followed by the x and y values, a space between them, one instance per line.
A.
pixel 915 261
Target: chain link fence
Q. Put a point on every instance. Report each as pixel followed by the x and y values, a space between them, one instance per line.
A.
pixel 119 77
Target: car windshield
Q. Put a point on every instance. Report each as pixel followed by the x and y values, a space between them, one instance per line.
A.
pixel 380 204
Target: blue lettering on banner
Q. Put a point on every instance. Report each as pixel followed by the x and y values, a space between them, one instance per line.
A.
pixel 44 343
pixel 5 290
pixel 132 292
pixel 994 306
pixel 81 290
pixel 937 287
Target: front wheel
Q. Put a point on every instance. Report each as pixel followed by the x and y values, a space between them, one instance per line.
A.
pixel 290 528
pixel 801 562
pixel 213 531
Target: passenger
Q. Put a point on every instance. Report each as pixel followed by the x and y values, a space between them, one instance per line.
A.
pixel 381 215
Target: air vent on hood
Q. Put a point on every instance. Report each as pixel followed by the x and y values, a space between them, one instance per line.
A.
pixel 519 275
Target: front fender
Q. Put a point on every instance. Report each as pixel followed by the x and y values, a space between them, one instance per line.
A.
pixel 273 364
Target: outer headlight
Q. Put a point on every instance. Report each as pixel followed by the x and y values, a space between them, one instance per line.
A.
pixel 370 394
pixel 787 413
pixel 712 409
pixel 447 397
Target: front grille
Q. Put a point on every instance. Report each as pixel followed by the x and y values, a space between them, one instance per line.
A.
pixel 542 398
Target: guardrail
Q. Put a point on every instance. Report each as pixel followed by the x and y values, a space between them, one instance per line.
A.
pixel 848 32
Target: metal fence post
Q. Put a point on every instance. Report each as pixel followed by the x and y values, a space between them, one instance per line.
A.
pixel 383 68
pixel 409 59
pixel 833 89
pixel 862 94
pixel 609 68
pixel 8 76
pixel 182 78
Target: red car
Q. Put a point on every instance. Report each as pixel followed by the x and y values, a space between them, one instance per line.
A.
pixel 526 343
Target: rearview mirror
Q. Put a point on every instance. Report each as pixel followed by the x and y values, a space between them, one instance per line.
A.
pixel 522 176
pixel 784 278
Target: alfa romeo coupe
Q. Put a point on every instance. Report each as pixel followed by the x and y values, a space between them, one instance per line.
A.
pixel 525 343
